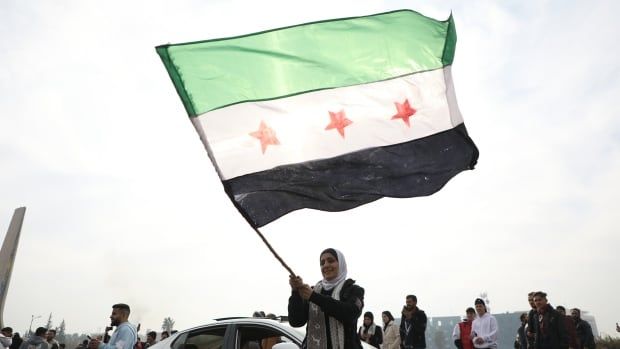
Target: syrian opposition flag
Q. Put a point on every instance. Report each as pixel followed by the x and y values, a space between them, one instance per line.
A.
pixel 327 115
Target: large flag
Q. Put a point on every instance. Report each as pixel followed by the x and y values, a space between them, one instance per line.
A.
pixel 327 115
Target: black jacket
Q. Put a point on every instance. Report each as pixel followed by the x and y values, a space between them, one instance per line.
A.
pixel 415 338
pixel 347 310
pixel 532 325
pixel 584 334
pixel 551 333
pixel 376 339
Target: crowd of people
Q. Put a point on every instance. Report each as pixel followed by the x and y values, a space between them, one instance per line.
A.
pixel 41 338
pixel 330 311
pixel 124 337
pixel 331 308
pixel 548 327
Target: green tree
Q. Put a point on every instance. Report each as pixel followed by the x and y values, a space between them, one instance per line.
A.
pixel 608 342
pixel 49 322
pixel 168 324
pixel 60 331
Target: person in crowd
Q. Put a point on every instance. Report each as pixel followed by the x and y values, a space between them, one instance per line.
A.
pixel 331 309
pixel 125 335
pixel 17 341
pixel 412 325
pixel 164 335
pixel 369 332
pixel 37 341
pixel 259 314
pixel 521 340
pixel 150 339
pixel 50 337
pixel 484 327
pixel 139 344
pixel 617 327
pixel 462 330
pixel 583 330
pixel 391 337
pixel 6 337
pixel 83 345
pixel 573 341
pixel 532 324
pixel 551 331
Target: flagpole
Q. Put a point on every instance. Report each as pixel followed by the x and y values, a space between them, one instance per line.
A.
pixel 251 223
pixel 275 254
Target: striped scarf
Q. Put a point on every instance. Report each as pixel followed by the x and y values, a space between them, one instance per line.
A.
pixel 317 333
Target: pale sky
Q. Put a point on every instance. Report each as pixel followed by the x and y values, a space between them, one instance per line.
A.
pixel 125 206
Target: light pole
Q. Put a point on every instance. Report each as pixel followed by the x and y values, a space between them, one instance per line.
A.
pixel 32 317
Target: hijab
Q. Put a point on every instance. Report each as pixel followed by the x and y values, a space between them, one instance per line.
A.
pixel 342 269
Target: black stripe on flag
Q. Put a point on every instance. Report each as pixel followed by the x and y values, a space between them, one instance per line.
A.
pixel 416 168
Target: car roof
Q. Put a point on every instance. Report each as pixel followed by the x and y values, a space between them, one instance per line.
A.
pixel 301 332
pixel 246 321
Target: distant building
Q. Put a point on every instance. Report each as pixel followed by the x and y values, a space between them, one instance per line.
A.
pixel 439 329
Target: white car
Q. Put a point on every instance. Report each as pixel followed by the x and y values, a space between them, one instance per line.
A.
pixel 238 333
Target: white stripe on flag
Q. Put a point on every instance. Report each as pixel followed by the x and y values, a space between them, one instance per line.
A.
pixel 299 122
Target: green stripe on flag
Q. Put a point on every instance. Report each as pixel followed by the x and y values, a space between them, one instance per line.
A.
pixel 283 62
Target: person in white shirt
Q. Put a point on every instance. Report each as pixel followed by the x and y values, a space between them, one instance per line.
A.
pixel 484 327
pixel 125 335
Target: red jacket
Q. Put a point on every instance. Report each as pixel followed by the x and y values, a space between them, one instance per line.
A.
pixel 465 329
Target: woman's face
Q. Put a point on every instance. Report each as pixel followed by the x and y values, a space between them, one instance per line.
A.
pixel 385 319
pixel 329 266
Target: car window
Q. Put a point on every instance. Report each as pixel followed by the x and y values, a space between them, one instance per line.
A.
pixel 259 337
pixel 205 338
pixel 179 342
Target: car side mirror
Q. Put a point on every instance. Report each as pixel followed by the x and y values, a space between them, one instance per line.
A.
pixel 287 345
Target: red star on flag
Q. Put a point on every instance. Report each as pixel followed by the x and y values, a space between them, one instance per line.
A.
pixel 338 121
pixel 266 135
pixel 404 112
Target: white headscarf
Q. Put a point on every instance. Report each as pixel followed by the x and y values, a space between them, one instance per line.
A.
pixel 342 272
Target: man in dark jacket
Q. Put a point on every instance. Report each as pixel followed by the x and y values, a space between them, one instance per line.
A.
pixel 573 342
pixel 551 331
pixel 412 325
pixel 583 329
pixel 532 322
pixel 521 342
